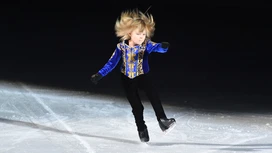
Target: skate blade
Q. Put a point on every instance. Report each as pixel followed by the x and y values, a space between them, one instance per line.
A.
pixel 172 126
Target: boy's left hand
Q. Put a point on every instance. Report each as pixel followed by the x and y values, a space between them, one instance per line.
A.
pixel 165 44
pixel 96 77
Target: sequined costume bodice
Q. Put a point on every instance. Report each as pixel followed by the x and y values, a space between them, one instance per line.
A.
pixel 134 59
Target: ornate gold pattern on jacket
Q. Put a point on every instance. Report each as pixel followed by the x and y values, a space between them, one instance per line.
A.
pixel 131 72
pixel 131 63
pixel 131 57
pixel 132 60
pixel 140 62
pixel 123 66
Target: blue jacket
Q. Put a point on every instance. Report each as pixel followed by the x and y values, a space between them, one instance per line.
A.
pixel 134 59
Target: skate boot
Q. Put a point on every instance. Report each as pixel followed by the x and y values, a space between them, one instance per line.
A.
pixel 144 137
pixel 167 124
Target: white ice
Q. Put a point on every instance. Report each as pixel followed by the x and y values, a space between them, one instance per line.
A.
pixel 37 119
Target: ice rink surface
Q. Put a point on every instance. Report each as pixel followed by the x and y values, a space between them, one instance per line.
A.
pixel 36 119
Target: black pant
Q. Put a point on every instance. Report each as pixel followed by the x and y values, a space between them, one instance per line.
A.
pixel 131 87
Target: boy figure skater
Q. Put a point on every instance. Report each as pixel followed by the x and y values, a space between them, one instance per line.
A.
pixel 135 30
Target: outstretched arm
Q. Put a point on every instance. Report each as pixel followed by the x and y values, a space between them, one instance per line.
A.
pixel 157 47
pixel 112 62
pixel 108 67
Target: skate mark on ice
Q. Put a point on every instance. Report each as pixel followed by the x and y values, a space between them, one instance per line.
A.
pixel 188 122
pixel 69 129
pixel 246 147
pixel 46 128
pixel 232 147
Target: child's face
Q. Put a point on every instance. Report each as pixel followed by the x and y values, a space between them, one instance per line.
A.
pixel 137 37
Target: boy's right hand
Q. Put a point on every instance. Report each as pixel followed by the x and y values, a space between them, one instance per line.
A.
pixel 96 77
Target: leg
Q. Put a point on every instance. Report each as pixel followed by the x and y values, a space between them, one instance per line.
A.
pixel 131 91
pixel 151 93
pixel 147 85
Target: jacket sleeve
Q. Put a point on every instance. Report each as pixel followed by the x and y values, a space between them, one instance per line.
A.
pixel 155 47
pixel 112 62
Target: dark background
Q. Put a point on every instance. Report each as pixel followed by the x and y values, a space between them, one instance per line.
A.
pixel 219 55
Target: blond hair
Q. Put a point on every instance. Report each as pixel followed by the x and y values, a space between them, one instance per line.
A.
pixel 132 19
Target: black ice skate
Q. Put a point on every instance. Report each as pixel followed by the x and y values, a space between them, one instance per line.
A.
pixel 144 137
pixel 167 124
